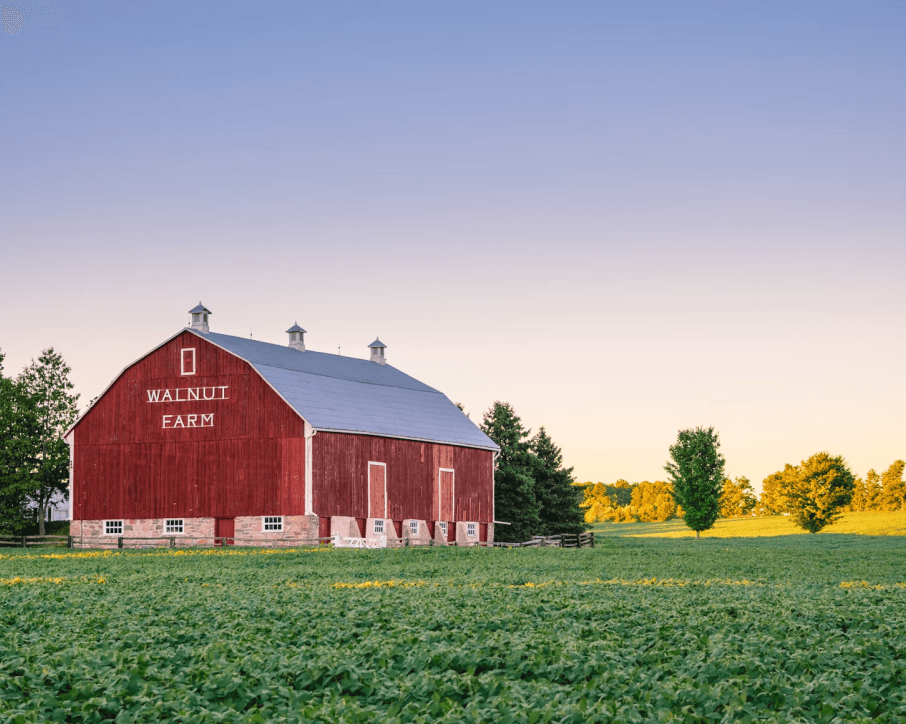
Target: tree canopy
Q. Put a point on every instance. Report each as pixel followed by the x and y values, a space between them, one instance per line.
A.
pixel 697 473
pixel 18 425
pixel 47 386
pixel 820 491
pixel 737 498
pixel 515 501
pixel 558 499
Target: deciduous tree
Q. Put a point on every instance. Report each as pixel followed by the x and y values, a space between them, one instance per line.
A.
pixel 820 492
pixel 653 502
pixel 873 492
pixel 737 498
pixel 47 387
pixel 18 426
pixel 773 500
pixel 515 500
pixel 697 473
pixel 597 503
pixel 893 488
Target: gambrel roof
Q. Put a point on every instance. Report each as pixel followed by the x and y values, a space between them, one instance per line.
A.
pixel 345 394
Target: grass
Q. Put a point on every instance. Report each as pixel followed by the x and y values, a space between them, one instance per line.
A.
pixel 873 523
pixel 779 629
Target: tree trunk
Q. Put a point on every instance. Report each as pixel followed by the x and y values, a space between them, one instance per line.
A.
pixel 698 534
pixel 41 520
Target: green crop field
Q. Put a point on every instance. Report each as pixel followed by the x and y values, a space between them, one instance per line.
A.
pixel 788 629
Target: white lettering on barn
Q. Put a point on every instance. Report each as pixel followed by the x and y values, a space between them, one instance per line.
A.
pixel 188 394
pixel 173 421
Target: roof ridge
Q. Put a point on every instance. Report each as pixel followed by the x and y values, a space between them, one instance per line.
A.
pixel 346 379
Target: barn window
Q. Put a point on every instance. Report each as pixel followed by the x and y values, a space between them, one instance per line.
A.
pixel 413 527
pixel 174 525
pixel 443 527
pixel 273 522
pixel 113 527
pixel 470 530
pixel 188 361
pixel 378 526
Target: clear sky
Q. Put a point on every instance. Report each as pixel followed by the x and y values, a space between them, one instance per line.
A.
pixel 624 218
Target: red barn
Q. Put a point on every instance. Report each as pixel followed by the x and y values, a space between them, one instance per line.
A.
pixel 213 435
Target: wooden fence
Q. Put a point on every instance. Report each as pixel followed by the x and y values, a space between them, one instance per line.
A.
pixel 29 541
pixel 583 540
pixel 566 540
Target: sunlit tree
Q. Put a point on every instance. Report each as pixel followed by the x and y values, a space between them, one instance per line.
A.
pixel 697 472
pixel 820 492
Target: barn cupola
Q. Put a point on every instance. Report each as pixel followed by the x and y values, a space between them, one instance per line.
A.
pixel 377 352
pixel 200 318
pixel 296 337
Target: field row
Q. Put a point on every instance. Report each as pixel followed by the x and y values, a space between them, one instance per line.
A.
pixel 633 631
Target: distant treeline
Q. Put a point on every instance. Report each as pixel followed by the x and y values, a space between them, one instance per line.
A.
pixel 645 502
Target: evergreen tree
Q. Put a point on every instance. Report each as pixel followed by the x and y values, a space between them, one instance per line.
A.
pixel 18 426
pixel 46 385
pixel 820 492
pixel 558 498
pixel 515 501
pixel 697 474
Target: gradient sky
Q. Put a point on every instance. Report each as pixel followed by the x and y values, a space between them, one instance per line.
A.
pixel 624 218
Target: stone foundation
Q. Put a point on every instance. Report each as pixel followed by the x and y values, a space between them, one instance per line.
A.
pixel 248 530
pixel 151 532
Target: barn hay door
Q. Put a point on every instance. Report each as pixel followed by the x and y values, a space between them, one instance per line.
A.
pixel 377 490
pixel 446 489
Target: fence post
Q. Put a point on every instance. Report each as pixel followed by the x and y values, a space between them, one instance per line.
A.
pixel 23 541
pixel 592 539
pixel 119 542
pixel 69 541
pixel 578 540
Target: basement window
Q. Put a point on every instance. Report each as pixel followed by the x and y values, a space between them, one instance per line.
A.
pixel 413 527
pixel 188 361
pixel 378 526
pixel 470 530
pixel 174 525
pixel 113 527
pixel 273 522
pixel 443 527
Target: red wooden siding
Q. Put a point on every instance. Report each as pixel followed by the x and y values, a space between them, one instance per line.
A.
pixel 250 462
pixel 340 477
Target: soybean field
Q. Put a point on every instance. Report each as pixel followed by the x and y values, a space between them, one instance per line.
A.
pixel 787 629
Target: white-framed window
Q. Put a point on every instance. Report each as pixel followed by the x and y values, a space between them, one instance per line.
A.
pixel 443 527
pixel 471 530
pixel 378 526
pixel 113 527
pixel 188 361
pixel 413 527
pixel 273 522
pixel 174 525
